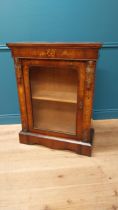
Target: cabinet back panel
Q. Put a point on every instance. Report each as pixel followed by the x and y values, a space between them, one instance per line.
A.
pixel 54 116
pixel 53 82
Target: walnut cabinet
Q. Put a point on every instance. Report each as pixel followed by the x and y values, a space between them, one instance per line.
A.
pixel 55 88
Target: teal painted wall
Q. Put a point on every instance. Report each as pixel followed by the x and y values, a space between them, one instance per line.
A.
pixel 61 21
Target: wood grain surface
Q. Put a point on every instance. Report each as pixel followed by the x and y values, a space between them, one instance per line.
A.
pixel 38 178
pixel 52 74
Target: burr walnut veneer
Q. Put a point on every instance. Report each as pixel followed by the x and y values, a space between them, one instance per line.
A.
pixel 55 87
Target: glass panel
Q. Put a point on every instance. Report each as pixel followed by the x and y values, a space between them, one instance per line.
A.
pixel 54 99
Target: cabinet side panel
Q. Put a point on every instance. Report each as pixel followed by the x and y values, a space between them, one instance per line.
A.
pixel 28 95
pixel 81 67
pixel 21 93
pixel 88 99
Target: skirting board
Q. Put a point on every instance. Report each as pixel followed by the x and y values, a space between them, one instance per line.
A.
pixel 97 115
pixel 9 119
pixel 100 114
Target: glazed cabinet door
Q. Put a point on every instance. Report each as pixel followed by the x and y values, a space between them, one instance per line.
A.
pixel 55 96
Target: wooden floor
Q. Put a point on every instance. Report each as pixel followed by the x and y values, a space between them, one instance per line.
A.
pixel 38 178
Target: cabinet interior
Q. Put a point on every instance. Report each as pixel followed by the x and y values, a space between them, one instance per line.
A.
pixel 54 98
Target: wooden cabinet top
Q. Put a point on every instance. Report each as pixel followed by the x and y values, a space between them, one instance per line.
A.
pixel 56 44
pixel 82 51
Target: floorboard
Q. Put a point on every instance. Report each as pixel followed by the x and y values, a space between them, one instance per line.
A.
pixel 38 178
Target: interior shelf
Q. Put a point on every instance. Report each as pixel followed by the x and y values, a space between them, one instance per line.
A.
pixel 56 96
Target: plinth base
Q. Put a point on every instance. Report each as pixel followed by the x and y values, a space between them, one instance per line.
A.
pixel 83 148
